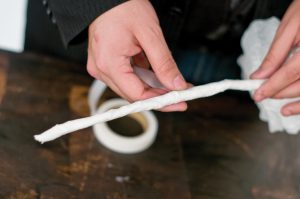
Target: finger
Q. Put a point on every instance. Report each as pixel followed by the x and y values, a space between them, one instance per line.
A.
pixel 127 82
pixel 153 43
pixel 291 109
pixel 113 87
pixel 182 106
pixel 171 108
pixel 95 72
pixel 278 52
pixel 286 75
pixel 141 60
pixel 291 91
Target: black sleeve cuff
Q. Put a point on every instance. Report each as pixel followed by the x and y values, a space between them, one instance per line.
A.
pixel 73 17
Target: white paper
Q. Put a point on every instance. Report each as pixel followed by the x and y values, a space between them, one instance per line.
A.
pixel 255 43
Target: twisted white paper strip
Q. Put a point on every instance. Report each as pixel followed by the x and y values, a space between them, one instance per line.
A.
pixel 158 102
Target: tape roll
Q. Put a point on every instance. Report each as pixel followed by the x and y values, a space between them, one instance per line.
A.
pixel 124 144
pixel 112 140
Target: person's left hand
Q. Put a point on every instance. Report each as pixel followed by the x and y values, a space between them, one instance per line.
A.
pixel 284 77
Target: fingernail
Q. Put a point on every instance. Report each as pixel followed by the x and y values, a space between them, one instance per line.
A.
pixel 287 112
pixel 179 83
pixel 259 96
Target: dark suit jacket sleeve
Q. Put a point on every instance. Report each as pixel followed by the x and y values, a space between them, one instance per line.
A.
pixel 74 16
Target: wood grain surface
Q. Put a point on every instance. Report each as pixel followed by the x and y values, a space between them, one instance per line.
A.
pixel 218 149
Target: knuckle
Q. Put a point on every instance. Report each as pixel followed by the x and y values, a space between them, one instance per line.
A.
pixel 96 36
pixel 153 33
pixel 156 30
pixel 269 60
pixel 92 72
pixel 166 65
pixel 292 73
pixel 101 65
pixel 135 97
pixel 270 90
pixel 89 69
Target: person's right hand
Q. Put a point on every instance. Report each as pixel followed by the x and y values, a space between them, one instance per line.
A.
pixel 126 32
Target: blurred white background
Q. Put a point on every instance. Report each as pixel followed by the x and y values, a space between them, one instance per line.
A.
pixel 12 24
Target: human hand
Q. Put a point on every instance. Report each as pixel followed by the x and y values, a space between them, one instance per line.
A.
pixel 125 33
pixel 284 76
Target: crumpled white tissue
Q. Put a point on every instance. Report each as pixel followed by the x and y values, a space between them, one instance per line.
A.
pixel 255 43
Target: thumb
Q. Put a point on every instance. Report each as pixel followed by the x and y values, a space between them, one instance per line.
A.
pixel 155 47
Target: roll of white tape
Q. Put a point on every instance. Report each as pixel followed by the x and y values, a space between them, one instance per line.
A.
pixel 112 140
pixel 124 144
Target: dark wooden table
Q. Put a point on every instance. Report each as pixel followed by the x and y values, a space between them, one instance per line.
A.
pixel 218 149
